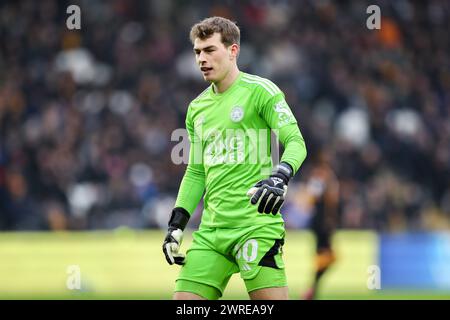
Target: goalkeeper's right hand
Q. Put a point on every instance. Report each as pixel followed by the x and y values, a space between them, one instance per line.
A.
pixel 178 220
pixel 171 246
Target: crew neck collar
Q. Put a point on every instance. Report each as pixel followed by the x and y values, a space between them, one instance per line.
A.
pixel 230 88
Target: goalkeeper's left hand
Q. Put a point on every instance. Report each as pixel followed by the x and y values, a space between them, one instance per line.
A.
pixel 271 192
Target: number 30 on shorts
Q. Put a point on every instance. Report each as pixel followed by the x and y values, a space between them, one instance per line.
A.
pixel 248 252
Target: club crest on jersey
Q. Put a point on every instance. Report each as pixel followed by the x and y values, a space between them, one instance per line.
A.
pixel 237 114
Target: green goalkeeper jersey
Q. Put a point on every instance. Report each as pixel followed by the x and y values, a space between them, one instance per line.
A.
pixel 230 136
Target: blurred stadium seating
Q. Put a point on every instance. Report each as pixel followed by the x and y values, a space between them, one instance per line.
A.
pixel 86 115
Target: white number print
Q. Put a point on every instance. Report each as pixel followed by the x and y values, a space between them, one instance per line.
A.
pixel 248 254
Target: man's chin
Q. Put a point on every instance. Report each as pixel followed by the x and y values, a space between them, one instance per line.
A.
pixel 209 78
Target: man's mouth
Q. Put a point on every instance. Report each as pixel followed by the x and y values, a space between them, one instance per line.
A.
pixel 205 69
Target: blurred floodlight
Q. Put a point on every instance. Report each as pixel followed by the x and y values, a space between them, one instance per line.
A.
pixel 82 197
pixel 405 122
pixel 80 63
pixel 353 126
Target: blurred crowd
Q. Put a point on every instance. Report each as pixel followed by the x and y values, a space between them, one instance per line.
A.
pixel 86 116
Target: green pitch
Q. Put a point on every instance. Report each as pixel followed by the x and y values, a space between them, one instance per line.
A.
pixel 128 264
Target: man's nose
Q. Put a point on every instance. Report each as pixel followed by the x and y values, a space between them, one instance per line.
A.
pixel 201 58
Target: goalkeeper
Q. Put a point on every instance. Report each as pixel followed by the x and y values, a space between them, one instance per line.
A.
pixel 242 229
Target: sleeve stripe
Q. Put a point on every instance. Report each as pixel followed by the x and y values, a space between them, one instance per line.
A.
pixel 270 83
pixel 261 84
pixel 267 84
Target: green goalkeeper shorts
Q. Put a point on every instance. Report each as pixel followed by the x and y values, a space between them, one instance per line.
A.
pixel 217 253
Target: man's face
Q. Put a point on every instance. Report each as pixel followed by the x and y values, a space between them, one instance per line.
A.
pixel 213 58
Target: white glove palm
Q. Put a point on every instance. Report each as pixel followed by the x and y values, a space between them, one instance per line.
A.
pixel 171 246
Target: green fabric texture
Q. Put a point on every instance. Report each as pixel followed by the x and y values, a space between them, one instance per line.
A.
pixel 230 151
pixel 218 253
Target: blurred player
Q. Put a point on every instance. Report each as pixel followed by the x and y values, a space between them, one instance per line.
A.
pixel 323 192
pixel 241 228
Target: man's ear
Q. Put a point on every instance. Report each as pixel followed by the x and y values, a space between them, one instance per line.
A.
pixel 234 50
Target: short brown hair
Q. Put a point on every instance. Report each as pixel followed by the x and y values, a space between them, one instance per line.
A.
pixel 227 29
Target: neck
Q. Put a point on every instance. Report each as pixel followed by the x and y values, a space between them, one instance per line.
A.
pixel 222 85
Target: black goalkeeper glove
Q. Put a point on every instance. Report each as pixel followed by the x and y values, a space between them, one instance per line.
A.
pixel 270 193
pixel 178 221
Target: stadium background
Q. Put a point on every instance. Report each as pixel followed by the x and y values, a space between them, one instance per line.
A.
pixel 86 176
